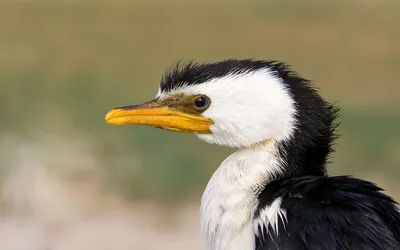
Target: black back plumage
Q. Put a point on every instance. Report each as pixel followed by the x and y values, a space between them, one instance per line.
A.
pixel 330 213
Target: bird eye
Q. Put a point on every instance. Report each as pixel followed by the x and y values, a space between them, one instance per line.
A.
pixel 201 102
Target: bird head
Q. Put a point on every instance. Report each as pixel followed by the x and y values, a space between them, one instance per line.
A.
pixel 236 103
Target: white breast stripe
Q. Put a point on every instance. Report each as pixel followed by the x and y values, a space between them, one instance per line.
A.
pixel 269 217
pixel 229 201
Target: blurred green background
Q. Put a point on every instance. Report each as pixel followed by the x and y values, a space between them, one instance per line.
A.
pixel 64 65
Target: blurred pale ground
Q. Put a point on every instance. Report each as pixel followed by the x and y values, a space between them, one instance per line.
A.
pixel 69 181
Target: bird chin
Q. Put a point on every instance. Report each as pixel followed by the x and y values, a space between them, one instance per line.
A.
pixel 215 139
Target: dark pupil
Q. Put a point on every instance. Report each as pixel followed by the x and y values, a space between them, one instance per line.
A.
pixel 200 102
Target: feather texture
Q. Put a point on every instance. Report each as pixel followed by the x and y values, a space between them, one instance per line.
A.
pixel 277 195
pixel 330 213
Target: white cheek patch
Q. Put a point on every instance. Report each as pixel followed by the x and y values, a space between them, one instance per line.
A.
pixel 246 108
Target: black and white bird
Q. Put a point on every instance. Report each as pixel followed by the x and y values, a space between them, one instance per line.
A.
pixel 274 192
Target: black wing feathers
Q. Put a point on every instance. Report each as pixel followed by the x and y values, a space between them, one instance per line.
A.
pixel 331 213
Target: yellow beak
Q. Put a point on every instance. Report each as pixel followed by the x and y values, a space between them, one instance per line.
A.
pixel 153 114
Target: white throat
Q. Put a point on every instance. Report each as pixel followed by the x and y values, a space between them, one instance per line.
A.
pixel 230 199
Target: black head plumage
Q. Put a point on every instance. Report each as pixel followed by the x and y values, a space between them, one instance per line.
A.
pixel 194 73
pixel 315 133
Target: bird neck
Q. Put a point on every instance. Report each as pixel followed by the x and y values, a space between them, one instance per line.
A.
pixel 231 196
pixel 306 153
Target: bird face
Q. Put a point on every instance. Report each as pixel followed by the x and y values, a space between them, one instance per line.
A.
pixel 235 106
pixel 175 112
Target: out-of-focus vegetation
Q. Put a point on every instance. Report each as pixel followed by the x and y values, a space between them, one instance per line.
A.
pixel 63 66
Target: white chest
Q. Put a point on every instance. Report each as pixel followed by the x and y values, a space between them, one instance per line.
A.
pixel 230 199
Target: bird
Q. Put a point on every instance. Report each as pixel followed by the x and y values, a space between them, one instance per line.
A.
pixel 274 192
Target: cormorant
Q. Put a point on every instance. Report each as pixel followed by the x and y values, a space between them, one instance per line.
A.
pixel 274 192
